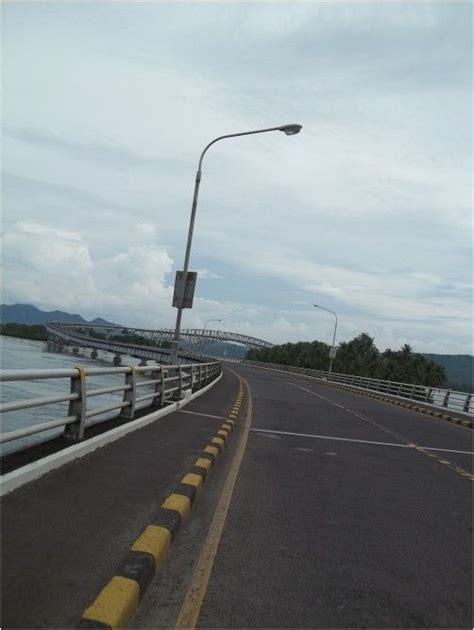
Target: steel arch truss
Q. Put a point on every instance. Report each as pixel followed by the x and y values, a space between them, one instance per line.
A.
pixel 189 336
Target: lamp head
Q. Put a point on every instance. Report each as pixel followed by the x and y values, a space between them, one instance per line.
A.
pixel 290 130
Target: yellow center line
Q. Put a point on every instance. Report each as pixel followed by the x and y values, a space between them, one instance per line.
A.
pixel 192 603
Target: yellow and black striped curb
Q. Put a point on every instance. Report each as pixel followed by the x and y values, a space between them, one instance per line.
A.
pixel 117 601
pixel 467 424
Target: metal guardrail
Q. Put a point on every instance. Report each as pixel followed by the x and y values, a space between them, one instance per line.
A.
pixel 459 402
pixel 167 383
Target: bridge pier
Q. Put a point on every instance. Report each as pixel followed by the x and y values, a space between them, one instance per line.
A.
pixel 94 354
pixel 75 350
pixel 117 360
pixel 54 345
pixel 143 362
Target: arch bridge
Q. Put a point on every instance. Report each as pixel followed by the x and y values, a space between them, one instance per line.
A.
pixel 191 339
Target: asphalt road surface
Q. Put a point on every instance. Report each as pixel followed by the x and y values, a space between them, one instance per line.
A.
pixel 64 534
pixel 336 520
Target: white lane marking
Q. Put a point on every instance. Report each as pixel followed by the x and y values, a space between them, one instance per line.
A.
pixel 206 415
pixel 336 404
pixel 339 439
pixel 446 450
pixel 354 413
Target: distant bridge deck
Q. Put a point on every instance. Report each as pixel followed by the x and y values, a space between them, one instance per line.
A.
pixel 151 353
pixel 166 334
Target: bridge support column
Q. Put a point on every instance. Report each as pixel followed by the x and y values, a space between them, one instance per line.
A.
pixel 75 350
pixel 117 360
pixel 94 354
pixel 143 362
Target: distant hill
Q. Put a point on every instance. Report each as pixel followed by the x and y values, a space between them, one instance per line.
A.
pixel 459 368
pixel 224 349
pixel 29 314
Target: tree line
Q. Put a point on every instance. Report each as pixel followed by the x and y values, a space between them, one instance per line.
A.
pixel 360 357
pixel 24 331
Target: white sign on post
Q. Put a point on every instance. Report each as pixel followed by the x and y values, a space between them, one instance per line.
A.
pixel 332 352
pixel 184 292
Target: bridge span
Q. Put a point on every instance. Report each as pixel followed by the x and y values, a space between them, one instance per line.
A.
pixel 189 337
pixel 321 508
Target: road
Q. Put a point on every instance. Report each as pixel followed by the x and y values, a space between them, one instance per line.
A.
pixel 334 520
pixel 63 534
pixel 327 533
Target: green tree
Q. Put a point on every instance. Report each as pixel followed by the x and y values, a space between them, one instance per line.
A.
pixel 360 357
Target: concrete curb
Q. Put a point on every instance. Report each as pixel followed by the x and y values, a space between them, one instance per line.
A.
pixel 117 601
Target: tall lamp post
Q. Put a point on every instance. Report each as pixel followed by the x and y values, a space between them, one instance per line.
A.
pixel 204 329
pixel 332 351
pixel 289 130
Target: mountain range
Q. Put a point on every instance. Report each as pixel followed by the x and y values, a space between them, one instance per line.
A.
pixel 29 314
pixel 459 369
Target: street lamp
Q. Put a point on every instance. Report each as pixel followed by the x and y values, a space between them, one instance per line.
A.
pixel 289 130
pixel 332 351
pixel 204 329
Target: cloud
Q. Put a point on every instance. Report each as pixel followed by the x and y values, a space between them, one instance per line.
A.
pixel 110 154
pixel 108 106
pixel 205 274
pixel 54 268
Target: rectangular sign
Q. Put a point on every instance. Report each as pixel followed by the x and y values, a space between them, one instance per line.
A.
pixel 184 292
pixel 332 353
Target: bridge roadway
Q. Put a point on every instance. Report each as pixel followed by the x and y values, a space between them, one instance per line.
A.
pixel 321 532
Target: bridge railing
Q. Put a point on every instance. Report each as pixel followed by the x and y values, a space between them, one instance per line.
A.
pixel 140 387
pixel 459 402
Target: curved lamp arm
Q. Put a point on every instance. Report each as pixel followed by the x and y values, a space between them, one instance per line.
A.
pixel 335 315
pixel 289 130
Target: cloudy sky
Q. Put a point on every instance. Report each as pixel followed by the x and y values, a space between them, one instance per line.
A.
pixel 367 211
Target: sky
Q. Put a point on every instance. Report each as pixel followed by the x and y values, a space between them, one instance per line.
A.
pixel 368 211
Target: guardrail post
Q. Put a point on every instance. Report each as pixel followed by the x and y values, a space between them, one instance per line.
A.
pixel 200 376
pixel 467 403
pixel 78 407
pixel 180 390
pixel 130 395
pixel 163 385
pixel 157 398
pixel 446 398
